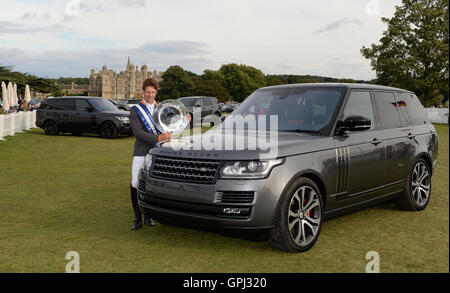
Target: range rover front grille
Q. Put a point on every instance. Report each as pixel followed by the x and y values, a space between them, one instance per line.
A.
pixel 236 196
pixel 186 170
pixel 141 185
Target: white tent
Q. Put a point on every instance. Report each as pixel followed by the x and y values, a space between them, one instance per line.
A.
pixel 5 101
pixel 16 99
pixel 11 94
pixel 27 94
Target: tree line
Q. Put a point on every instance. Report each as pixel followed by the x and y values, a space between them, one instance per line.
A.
pixel 42 85
pixel 231 82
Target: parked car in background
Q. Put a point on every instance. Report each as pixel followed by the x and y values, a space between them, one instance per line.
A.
pixel 208 105
pixel 339 148
pixel 132 102
pixel 121 105
pixel 228 108
pixel 78 115
pixel 221 107
pixel 34 104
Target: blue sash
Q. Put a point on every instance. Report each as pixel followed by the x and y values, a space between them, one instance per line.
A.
pixel 146 118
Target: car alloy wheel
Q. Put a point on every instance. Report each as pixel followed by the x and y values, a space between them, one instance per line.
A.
pixel 298 217
pixel 304 216
pixel 109 130
pixel 420 184
pixel 417 193
pixel 50 128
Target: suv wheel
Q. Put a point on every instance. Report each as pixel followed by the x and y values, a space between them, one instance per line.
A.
pixel 418 190
pixel 298 218
pixel 108 130
pixel 51 128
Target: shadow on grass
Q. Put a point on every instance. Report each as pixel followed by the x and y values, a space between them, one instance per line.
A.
pixel 40 132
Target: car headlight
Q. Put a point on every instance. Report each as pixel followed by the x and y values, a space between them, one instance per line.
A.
pixel 123 119
pixel 248 169
pixel 148 162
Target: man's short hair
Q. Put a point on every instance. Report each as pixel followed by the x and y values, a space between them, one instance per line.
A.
pixel 150 82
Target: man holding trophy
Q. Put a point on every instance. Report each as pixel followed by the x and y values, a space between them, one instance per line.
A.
pixel 147 134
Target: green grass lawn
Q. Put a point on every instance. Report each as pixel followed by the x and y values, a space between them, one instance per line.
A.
pixel 65 193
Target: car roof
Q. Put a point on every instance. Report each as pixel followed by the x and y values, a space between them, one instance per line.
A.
pixel 342 85
pixel 69 97
pixel 197 97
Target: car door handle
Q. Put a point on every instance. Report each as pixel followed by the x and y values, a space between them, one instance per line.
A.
pixel 376 141
pixel 411 136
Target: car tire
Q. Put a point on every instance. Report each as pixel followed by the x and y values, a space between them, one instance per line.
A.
pixel 51 128
pixel 298 218
pixel 418 188
pixel 108 130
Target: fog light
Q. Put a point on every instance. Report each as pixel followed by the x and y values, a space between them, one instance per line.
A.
pixel 232 211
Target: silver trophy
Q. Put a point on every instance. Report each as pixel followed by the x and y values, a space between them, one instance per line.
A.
pixel 171 116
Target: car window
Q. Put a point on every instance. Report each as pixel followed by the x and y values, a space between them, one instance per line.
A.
pixel 307 109
pixel 359 103
pixel 62 104
pixel 101 104
pixel 387 109
pixel 410 104
pixel 82 105
pixel 261 105
pixel 206 102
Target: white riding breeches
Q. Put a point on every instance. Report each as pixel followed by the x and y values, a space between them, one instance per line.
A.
pixel 138 164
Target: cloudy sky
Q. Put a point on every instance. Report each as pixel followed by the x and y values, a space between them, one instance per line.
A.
pixel 53 38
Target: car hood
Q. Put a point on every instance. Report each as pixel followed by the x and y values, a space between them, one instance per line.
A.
pixel 274 144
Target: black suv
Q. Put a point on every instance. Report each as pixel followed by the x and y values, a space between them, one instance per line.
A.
pixel 79 115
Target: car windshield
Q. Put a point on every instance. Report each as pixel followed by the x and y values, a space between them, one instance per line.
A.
pixel 188 102
pixel 101 104
pixel 304 109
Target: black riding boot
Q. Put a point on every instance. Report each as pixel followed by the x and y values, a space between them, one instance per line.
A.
pixel 148 221
pixel 137 223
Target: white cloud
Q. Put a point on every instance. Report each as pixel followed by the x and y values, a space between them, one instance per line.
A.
pixel 157 55
pixel 275 36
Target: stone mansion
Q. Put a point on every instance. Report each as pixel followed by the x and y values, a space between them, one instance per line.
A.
pixel 122 86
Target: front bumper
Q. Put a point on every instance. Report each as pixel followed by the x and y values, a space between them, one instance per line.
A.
pixel 202 205
pixel 124 128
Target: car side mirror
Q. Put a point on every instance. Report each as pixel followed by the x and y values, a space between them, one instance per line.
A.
pixel 353 123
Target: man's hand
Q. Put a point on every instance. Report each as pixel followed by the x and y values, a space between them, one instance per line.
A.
pixel 165 136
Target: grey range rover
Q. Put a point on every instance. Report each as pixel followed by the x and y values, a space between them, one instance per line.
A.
pixel 341 148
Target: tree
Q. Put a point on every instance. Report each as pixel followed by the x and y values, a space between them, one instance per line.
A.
pixel 211 88
pixel 414 50
pixel 241 80
pixel 214 76
pixel 176 83
pixel 42 85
